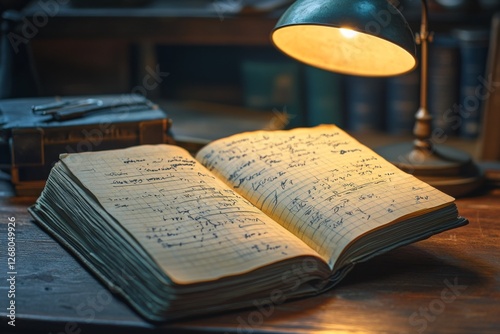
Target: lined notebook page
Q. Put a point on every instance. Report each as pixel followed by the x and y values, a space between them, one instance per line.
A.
pixel 319 183
pixel 194 227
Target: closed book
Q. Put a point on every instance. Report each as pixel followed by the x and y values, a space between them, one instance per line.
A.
pixel 473 46
pixel 402 102
pixel 273 84
pixel 444 83
pixel 323 97
pixel 365 99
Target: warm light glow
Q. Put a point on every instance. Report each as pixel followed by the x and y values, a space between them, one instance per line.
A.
pixel 348 33
pixel 328 48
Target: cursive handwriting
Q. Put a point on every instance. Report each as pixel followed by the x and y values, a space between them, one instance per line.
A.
pixel 318 183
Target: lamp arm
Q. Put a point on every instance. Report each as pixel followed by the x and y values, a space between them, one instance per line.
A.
pixel 423 40
pixel 423 119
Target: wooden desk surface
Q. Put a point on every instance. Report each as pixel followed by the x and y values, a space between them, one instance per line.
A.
pixel 449 283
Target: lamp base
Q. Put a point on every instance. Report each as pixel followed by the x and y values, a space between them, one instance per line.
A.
pixel 447 169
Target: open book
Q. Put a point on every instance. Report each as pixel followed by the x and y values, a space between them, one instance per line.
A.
pixel 257 217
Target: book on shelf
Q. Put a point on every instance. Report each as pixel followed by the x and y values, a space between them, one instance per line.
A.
pixel 256 218
pixel 323 91
pixel 402 102
pixel 273 83
pixel 365 103
pixel 444 78
pixel 473 48
pixel 489 143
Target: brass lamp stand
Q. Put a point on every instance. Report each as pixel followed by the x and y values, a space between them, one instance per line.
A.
pixel 450 170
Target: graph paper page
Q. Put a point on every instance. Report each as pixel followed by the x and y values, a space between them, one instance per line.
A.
pixel 319 183
pixel 194 227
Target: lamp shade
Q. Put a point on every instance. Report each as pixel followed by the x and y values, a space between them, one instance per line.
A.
pixel 358 37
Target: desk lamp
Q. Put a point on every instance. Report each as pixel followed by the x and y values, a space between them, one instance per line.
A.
pixel 372 38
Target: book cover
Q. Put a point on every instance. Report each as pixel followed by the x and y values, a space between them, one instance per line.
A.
pixel 324 91
pixel 473 46
pixel 444 83
pixel 365 103
pixel 403 93
pixel 272 83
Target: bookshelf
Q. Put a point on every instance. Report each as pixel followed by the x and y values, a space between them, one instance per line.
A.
pixel 204 51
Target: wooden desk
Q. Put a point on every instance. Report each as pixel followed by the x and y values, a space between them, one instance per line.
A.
pixel 449 283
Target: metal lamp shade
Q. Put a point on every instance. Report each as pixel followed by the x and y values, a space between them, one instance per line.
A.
pixel 357 37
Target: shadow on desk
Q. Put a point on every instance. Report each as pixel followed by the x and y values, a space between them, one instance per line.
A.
pixel 424 266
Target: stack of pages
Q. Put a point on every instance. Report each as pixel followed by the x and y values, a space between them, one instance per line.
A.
pixel 258 217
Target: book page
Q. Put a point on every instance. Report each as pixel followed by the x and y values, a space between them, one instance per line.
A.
pixel 193 226
pixel 319 183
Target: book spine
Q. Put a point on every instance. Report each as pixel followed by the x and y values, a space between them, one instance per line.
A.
pixel 273 84
pixel 444 83
pixel 489 143
pixel 323 91
pixel 365 103
pixel 402 102
pixel 473 45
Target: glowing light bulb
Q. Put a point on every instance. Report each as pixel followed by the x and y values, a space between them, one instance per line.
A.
pixel 348 33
